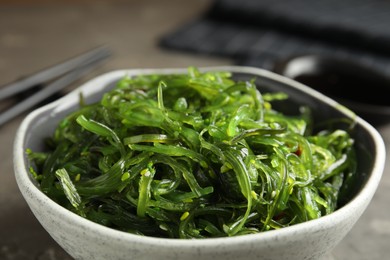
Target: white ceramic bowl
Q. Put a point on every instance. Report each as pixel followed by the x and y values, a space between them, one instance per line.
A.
pixel 314 239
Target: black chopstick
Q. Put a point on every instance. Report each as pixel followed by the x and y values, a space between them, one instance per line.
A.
pixel 52 72
pixel 83 66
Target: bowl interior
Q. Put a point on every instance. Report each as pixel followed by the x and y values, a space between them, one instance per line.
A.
pixel 323 109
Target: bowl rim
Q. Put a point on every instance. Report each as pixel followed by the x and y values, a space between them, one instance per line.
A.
pixel 24 180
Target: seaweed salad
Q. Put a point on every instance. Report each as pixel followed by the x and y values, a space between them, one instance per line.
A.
pixel 193 155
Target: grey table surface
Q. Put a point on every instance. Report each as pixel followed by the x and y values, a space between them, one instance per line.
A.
pixel 36 35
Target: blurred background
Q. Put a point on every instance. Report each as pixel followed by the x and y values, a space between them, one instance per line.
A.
pixel 352 36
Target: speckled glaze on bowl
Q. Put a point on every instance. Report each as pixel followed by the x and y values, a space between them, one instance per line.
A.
pixel 314 239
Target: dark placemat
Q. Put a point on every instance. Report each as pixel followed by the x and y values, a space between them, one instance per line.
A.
pixel 261 33
pixel 363 23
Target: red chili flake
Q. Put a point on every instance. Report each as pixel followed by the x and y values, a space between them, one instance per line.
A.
pixel 298 151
